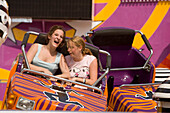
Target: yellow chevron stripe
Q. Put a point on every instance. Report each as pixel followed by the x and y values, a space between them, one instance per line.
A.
pixel 107 11
pixel 70 33
pixel 153 22
pixel 19 35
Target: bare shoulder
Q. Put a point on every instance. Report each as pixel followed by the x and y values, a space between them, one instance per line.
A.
pixel 90 57
pixel 35 45
pixel 33 48
pixel 62 58
pixel 32 51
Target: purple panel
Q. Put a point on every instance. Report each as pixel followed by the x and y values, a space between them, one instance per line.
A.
pixel 2 90
pixel 9 51
pixel 34 26
pixel 163 55
pixel 98 7
pixel 160 39
pixel 128 58
pixel 41 26
pixel 131 15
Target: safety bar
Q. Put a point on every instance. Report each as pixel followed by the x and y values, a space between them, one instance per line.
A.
pixel 24 43
pixel 62 79
pixel 125 86
pixel 145 64
pixel 108 65
pixel 147 45
pixel 129 68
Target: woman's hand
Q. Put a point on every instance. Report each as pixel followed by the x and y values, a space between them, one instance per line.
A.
pixel 53 79
pixel 73 78
pixel 47 71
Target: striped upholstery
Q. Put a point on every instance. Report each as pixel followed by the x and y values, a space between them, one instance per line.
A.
pixel 47 98
pixel 133 99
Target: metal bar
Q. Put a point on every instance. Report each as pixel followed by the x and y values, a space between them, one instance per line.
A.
pixel 108 54
pixel 33 33
pixel 104 52
pixel 129 68
pixel 24 54
pixel 23 48
pixel 131 85
pixel 135 68
pixel 137 31
pixel 108 65
pixel 101 77
pixel 151 53
pixel 63 79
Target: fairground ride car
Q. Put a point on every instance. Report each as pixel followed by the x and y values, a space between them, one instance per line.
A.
pixel 125 82
pixel 131 76
pixel 32 90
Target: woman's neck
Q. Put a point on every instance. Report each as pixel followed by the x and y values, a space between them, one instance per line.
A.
pixel 51 49
pixel 78 58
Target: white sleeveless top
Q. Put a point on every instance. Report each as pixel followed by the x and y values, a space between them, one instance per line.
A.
pixel 52 67
pixel 81 68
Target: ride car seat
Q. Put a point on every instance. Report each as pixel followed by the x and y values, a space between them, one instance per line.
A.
pixel 126 60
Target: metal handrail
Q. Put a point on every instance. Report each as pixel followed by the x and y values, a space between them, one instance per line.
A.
pixel 135 85
pixel 23 45
pixel 147 45
pixel 145 64
pixel 108 65
pixel 62 79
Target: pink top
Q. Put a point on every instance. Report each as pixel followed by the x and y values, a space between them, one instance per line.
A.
pixel 81 68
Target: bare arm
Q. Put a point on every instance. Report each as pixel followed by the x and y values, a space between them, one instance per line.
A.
pixel 64 68
pixel 30 55
pixel 93 74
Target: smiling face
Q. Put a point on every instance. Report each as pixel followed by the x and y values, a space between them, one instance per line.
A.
pixel 56 38
pixel 73 50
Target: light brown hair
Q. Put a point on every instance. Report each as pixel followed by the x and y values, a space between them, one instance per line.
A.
pixel 79 41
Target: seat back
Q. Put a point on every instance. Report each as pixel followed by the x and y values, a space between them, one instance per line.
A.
pixel 117 38
pixel 118 42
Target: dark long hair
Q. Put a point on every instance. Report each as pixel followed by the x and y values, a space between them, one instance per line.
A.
pixel 52 30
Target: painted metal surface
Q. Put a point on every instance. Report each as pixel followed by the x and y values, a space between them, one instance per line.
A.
pixel 65 98
pixel 133 99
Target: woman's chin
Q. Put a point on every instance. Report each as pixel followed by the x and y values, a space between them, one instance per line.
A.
pixel 55 45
